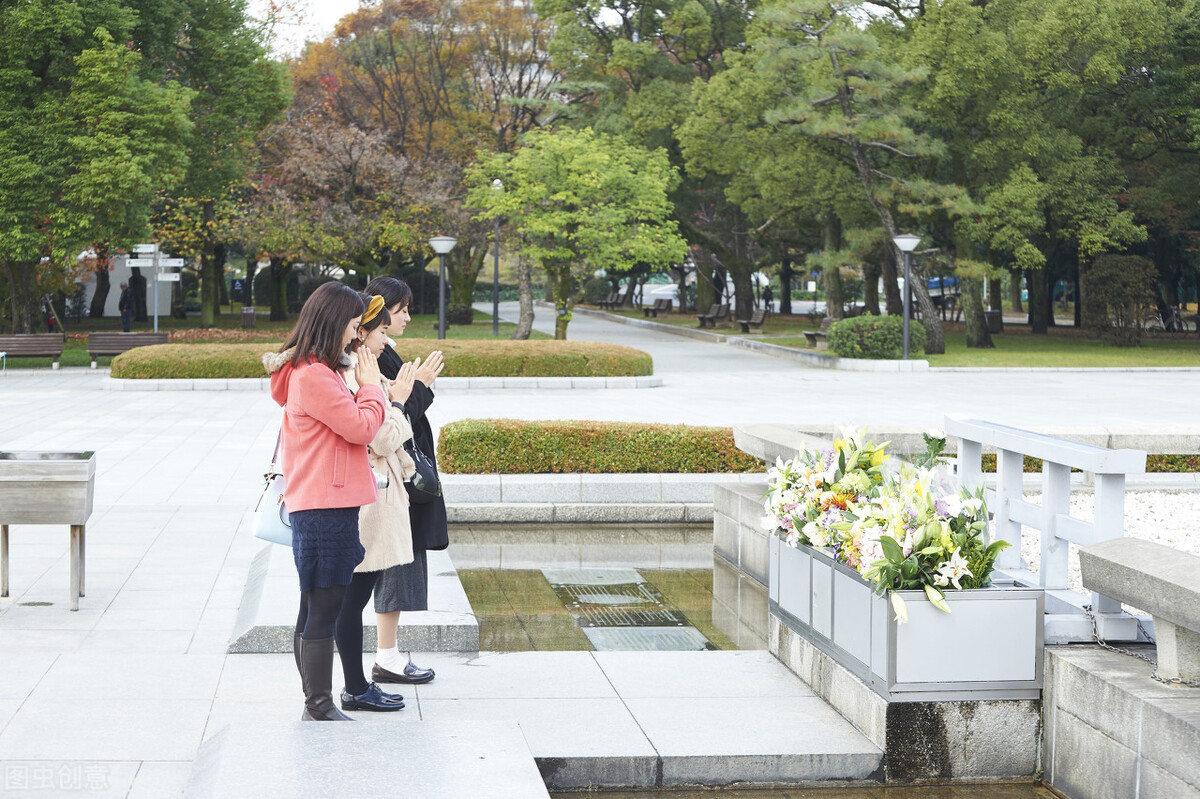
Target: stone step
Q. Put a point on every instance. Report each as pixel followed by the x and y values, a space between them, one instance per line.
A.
pixel 610 720
pixel 267 616
pixel 306 759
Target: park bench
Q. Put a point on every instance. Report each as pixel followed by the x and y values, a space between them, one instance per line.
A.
pixel 659 305
pixel 31 345
pixel 755 323
pixel 816 338
pixel 1159 580
pixel 612 301
pixel 717 316
pixel 116 343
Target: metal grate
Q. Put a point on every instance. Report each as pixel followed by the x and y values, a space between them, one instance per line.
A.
pixel 618 609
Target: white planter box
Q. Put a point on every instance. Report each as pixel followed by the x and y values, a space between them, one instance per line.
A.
pixel 988 647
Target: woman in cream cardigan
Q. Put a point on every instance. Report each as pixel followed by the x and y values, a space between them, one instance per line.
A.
pixel 383 526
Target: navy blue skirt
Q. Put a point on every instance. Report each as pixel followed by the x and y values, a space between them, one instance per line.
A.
pixel 325 546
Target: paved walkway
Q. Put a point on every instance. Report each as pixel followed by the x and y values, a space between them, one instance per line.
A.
pixel 716 384
pixel 117 697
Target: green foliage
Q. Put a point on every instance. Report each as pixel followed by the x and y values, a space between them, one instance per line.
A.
pixel 880 337
pixel 507 446
pixel 463 359
pixel 596 290
pixel 581 201
pixel 1122 290
pixel 191 361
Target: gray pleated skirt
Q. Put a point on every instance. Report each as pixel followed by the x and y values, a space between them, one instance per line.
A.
pixel 405 587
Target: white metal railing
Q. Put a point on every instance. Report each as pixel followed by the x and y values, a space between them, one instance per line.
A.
pixel 1065 620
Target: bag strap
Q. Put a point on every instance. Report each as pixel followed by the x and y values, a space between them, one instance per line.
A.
pixel 274 468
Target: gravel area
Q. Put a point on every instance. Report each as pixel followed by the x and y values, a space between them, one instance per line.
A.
pixel 1171 518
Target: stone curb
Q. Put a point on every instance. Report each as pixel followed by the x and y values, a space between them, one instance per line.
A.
pixel 579 512
pixel 443 383
pixel 597 489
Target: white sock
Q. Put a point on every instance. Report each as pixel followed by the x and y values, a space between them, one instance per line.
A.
pixel 391 659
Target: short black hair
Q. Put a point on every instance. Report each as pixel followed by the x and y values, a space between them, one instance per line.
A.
pixel 393 290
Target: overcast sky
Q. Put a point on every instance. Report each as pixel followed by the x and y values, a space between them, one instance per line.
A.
pixel 319 17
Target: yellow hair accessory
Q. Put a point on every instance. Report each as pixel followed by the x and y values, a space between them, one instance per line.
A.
pixel 373 309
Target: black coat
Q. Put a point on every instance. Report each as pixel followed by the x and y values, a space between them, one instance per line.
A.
pixel 428 519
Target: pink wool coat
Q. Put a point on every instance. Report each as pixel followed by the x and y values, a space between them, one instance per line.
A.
pixel 325 434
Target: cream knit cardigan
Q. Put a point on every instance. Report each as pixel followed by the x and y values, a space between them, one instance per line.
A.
pixel 383 526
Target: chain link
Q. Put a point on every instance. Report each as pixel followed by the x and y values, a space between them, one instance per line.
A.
pixel 1087 609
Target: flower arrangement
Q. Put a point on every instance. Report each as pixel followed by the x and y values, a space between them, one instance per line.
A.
pixel 900 526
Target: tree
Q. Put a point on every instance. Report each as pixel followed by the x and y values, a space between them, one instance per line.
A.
pixel 581 201
pixel 239 92
pixel 88 142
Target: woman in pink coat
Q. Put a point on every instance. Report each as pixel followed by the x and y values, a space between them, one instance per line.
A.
pixel 324 440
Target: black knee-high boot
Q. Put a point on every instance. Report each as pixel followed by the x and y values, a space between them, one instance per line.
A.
pixel 316 672
pixel 296 652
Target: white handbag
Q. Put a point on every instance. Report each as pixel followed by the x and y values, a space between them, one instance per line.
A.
pixel 271 522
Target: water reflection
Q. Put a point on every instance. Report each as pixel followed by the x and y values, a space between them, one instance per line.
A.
pixel 501 569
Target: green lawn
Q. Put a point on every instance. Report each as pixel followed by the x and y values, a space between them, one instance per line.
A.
pixel 228 328
pixel 1017 347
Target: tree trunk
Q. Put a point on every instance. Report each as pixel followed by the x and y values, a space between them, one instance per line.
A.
pixel 525 293
pixel 251 271
pixel 935 341
pixel 785 285
pixel 831 274
pixel 1014 291
pixel 137 285
pixel 220 258
pixel 96 311
pixel 279 275
pixel 743 290
pixel 891 282
pixel 1038 307
pixel 463 274
pixel 706 290
pixel 177 301
pixel 995 300
pixel 978 335
pixel 22 281
pixel 1078 304
pixel 871 287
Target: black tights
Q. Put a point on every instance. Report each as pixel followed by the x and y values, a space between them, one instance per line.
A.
pixel 319 610
pixel 349 631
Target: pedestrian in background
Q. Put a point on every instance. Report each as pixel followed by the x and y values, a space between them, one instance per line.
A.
pixel 125 306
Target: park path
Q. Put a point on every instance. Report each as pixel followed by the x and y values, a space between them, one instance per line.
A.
pixel 707 383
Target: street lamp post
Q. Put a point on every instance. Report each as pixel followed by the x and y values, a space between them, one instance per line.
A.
pixel 906 243
pixel 497 185
pixel 442 245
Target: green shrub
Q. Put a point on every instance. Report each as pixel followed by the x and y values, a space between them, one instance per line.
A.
pixel 463 359
pixel 192 361
pixel 459 314
pixel 1120 294
pixel 878 337
pixel 596 290
pixel 1155 463
pixel 509 446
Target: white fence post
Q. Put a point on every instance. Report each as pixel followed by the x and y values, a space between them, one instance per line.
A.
pixel 1065 620
pixel 1009 484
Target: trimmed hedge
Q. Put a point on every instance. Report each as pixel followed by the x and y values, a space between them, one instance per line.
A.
pixel 470 358
pixel 511 446
pixel 876 337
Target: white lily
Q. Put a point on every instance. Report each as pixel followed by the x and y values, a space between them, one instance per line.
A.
pixel 955 569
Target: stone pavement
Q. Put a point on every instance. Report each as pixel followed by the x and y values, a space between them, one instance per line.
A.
pixel 117 697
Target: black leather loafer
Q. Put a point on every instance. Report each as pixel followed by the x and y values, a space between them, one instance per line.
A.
pixel 374 700
pixel 412 674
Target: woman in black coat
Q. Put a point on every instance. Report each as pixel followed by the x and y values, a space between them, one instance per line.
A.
pixel 406 587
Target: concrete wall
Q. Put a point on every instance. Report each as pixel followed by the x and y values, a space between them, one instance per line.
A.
pixel 1113 732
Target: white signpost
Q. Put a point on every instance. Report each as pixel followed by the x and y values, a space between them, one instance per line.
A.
pixel 158 264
